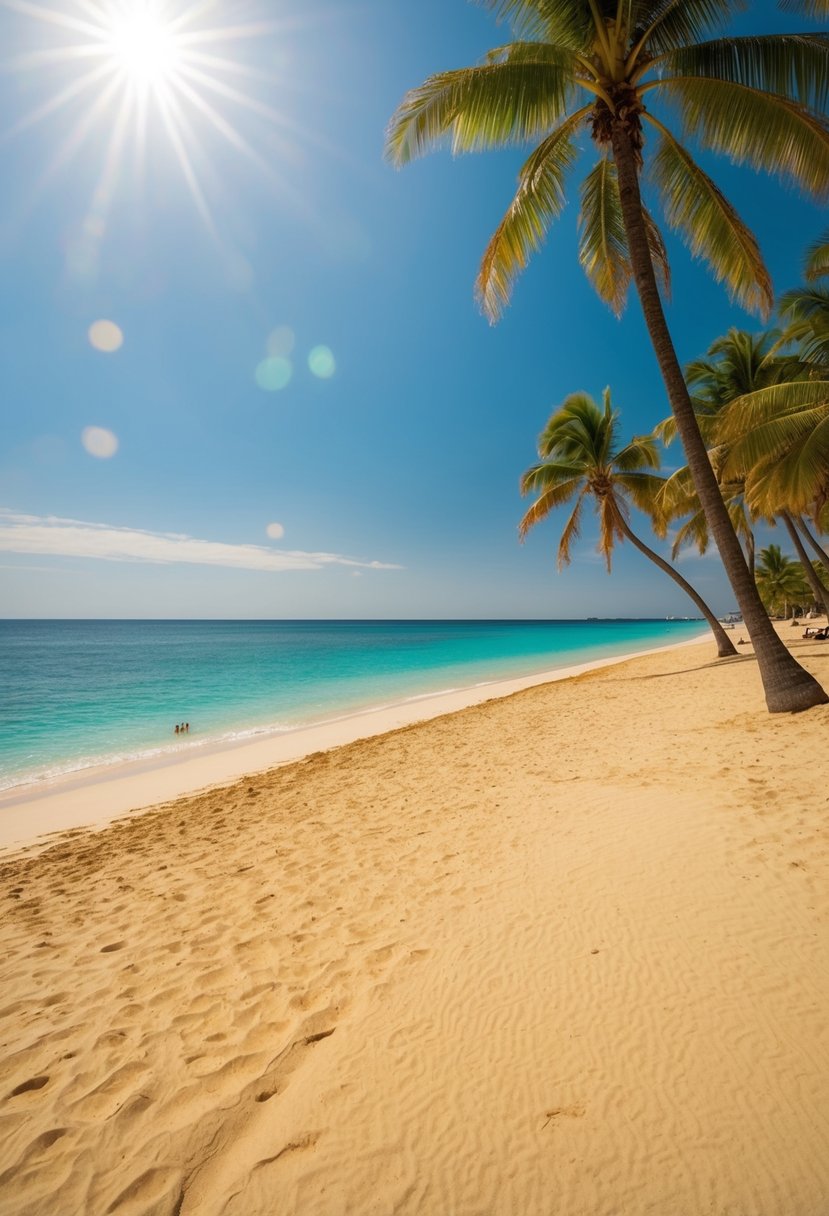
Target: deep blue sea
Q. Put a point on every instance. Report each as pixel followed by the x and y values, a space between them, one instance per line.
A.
pixel 79 693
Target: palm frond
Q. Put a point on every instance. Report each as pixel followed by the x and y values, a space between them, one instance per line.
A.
pixel 642 489
pixel 709 225
pixel 816 263
pixel 659 254
pixel 771 444
pixel 665 431
pixel 693 532
pixel 793 66
pixel 806 8
pixel 552 20
pixel 609 509
pixel 641 453
pixel 795 477
pixel 577 421
pixel 551 476
pixel 678 495
pixel 553 53
pixel 603 246
pixel 571 532
pixel 662 25
pixel 538 202
pixel 809 304
pixel 481 107
pixel 806 313
pixel 756 128
pixel 772 404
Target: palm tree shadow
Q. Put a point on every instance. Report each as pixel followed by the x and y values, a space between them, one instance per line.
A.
pixel 718 664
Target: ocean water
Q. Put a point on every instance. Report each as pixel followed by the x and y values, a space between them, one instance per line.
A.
pixel 74 694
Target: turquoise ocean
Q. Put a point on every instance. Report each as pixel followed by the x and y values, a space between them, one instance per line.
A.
pixel 75 694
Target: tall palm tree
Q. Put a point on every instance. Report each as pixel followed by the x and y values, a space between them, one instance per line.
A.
pixel 581 458
pixel 608 65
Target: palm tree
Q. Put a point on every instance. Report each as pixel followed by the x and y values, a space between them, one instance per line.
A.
pixel 738 365
pixel 596 63
pixel 780 581
pixel 581 458
pixel 819 591
pixel 735 365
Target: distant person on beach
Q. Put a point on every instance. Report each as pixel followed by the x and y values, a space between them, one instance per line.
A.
pixel 176 727
pixel 187 728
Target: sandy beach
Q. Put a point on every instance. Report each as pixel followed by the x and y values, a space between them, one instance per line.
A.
pixel 559 952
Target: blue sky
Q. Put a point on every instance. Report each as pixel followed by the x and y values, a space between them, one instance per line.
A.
pixel 392 476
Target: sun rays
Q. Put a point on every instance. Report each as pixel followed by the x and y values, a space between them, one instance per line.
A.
pixel 133 74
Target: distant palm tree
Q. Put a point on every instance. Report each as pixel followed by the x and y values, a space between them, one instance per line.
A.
pixel 735 364
pixel 780 581
pixel 819 592
pixel 607 65
pixel 581 458
pixel 738 365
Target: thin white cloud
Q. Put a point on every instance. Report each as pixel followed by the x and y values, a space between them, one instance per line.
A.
pixel 77 538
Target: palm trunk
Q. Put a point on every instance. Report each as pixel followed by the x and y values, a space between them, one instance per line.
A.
pixel 788 686
pixel 822 555
pixel 725 647
pixel 818 590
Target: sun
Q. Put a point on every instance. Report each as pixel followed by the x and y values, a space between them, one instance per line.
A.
pixel 130 75
pixel 144 47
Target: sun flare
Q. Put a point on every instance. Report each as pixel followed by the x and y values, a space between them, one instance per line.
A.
pixel 133 74
pixel 144 47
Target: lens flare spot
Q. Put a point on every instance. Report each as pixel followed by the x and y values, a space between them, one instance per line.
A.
pixel 275 531
pixel 105 336
pixel 99 442
pixel 281 341
pixel 274 373
pixel 322 363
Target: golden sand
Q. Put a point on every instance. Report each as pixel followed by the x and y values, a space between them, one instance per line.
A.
pixel 563 952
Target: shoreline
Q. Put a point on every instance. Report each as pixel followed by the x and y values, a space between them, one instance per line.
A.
pixel 98 795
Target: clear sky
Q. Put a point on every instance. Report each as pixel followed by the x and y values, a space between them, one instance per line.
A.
pixel 307 415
